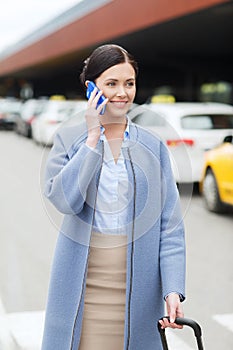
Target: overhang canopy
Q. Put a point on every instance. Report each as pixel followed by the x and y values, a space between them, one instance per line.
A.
pixel 151 30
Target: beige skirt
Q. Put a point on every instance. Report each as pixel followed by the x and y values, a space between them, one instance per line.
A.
pixel 104 309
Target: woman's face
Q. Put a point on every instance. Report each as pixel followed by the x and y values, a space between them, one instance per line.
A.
pixel 118 84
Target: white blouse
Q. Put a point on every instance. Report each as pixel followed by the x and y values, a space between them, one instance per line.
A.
pixel 113 192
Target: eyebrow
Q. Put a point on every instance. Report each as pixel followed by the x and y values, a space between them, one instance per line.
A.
pixel 112 79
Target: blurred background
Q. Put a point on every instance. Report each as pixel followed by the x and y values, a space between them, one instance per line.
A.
pixel 184 94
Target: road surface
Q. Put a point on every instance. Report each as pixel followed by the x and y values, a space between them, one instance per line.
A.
pixel 28 234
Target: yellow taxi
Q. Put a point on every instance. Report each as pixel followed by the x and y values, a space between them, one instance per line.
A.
pixel 217 178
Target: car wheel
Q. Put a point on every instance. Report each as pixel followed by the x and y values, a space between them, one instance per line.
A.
pixel 211 193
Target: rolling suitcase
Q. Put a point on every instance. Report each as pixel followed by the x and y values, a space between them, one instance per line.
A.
pixel 184 322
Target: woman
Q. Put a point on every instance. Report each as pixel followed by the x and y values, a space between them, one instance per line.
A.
pixel 120 252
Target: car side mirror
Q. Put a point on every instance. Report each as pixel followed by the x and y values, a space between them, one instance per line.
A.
pixel 228 139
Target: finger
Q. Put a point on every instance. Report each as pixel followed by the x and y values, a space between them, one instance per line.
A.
pixel 161 324
pixel 166 322
pixel 172 315
pixel 94 92
pixel 94 101
pixel 101 106
pixel 97 96
pixel 92 96
pixel 175 325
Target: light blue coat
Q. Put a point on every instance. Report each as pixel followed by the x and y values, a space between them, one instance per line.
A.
pixel 156 245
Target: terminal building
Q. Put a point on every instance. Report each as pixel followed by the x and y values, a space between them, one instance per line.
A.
pixel 183 48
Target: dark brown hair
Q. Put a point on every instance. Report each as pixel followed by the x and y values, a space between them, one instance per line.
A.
pixel 104 57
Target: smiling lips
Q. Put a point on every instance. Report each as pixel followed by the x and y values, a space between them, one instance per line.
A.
pixel 119 104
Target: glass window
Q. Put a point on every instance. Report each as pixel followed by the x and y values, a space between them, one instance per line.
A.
pixel 149 118
pixel 211 121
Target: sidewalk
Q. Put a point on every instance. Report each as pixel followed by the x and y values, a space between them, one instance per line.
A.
pixel 23 331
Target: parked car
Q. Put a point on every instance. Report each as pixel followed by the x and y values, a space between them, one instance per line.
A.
pixel 217 177
pixel 55 113
pixel 188 129
pixel 9 109
pixel 29 111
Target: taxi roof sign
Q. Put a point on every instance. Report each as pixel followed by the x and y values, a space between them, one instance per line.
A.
pixel 163 99
pixel 57 97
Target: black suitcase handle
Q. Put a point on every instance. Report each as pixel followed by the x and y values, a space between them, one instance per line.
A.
pixel 182 322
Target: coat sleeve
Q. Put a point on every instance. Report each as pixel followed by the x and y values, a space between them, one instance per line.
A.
pixel 67 177
pixel 172 239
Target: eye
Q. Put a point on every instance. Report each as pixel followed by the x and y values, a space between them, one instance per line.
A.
pixel 130 83
pixel 111 83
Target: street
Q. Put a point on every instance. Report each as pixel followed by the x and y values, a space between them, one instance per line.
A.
pixel 28 234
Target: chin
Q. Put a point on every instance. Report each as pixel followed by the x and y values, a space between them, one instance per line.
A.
pixel 118 112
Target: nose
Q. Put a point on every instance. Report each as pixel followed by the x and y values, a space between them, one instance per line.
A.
pixel 121 91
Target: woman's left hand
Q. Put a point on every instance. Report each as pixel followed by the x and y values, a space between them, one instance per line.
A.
pixel 174 309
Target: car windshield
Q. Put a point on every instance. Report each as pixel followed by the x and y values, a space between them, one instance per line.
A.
pixel 210 121
pixel 149 118
pixel 10 107
pixel 56 106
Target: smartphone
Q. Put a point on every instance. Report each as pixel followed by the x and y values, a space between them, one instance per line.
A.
pixel 90 88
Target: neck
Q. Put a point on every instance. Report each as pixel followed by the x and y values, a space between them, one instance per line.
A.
pixel 114 129
pixel 115 124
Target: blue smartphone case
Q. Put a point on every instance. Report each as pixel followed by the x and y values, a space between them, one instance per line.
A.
pixel 90 88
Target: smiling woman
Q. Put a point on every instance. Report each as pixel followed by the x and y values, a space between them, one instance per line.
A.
pixel 120 251
pixel 119 86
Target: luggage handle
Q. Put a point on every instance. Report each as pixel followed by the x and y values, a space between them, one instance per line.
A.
pixel 182 322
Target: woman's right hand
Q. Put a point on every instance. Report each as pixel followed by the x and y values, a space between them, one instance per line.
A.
pixel 92 118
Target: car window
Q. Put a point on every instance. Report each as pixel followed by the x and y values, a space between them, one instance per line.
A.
pixel 62 111
pixel 11 107
pixel 55 106
pixel 149 118
pixel 211 121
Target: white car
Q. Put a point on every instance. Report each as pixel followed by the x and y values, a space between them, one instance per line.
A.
pixel 9 110
pixel 56 113
pixel 188 129
pixel 30 110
